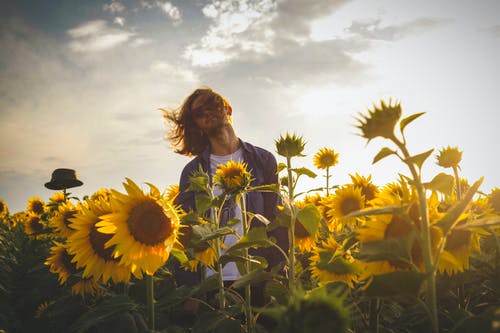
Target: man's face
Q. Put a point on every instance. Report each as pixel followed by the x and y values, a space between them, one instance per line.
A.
pixel 209 114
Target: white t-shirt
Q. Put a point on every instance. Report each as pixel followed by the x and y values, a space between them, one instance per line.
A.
pixel 230 271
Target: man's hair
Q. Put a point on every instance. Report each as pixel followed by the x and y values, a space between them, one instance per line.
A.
pixel 184 136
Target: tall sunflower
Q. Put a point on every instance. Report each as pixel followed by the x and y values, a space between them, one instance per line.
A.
pixel 61 221
pixel 345 200
pixel 232 177
pixel 86 244
pixel 36 206
pixel 33 224
pixel 143 227
pixel 331 262
pixel 325 158
pixel 380 121
pixel 449 157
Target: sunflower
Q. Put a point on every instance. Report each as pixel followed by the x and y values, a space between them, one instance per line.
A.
pixel 380 121
pixel 345 200
pixel 101 194
pixel 40 310
pixel 325 158
pixel 368 189
pixel 449 157
pixel 57 198
pixel 494 199
pixel 331 262
pixel 204 256
pixel 143 228
pixel 290 145
pixel 60 262
pixel 86 244
pixel 33 224
pixel 4 210
pixel 172 192
pixel 232 177
pixel 304 241
pixel 85 286
pixel 457 250
pixel 61 221
pixel 36 206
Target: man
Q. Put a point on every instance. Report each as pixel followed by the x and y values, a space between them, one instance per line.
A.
pixel 202 128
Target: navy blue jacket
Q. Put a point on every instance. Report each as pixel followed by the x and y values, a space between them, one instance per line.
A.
pixel 263 168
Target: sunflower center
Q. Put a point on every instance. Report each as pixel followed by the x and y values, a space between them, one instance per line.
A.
pixel 457 238
pixel 97 240
pixel 148 223
pixel 349 205
pixel 37 207
pixel 35 224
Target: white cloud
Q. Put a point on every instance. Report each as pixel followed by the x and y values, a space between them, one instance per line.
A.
pixel 114 7
pixel 136 42
pixel 97 36
pixel 174 72
pixel 171 11
pixel 119 20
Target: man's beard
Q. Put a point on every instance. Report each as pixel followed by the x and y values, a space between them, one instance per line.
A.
pixel 215 131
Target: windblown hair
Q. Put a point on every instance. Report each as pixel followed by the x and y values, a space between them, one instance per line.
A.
pixel 184 135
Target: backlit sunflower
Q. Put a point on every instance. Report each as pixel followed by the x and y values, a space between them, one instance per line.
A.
pixel 380 121
pixel 368 189
pixel 232 177
pixel 172 192
pixel 143 227
pixel 331 262
pixel 325 158
pixel 4 210
pixel 35 205
pixel 86 244
pixel 60 262
pixel 457 250
pixel 449 157
pixel 345 200
pixel 33 224
pixel 61 221
pixel 494 199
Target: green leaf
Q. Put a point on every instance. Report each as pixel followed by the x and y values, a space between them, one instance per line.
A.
pixel 206 232
pixel 256 237
pixel 259 217
pixel 257 261
pixel 419 159
pixel 377 211
pixel 179 255
pixel 304 171
pixel 309 217
pixel 281 167
pixel 253 277
pixel 383 153
pixel 199 182
pixel 396 248
pixel 202 202
pixel 403 123
pixel 399 283
pixel 442 183
pixel 450 219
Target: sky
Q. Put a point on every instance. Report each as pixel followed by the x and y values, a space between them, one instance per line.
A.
pixel 82 82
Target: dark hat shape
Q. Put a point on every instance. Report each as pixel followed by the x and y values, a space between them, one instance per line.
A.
pixel 63 179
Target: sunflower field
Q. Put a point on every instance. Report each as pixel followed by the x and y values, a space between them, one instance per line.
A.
pixel 412 255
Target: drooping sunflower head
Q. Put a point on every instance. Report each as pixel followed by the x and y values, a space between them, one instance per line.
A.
pixel 232 177
pixel 494 199
pixel 325 158
pixel 449 157
pixel 33 224
pixel 368 189
pixel 380 121
pixel 35 205
pixel 61 221
pixel 60 262
pixel 290 145
pixel 87 245
pixel 4 210
pixel 143 226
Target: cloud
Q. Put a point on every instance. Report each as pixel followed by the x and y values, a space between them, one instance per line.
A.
pixel 119 20
pixel 373 29
pixel 114 7
pixel 97 36
pixel 171 11
pixel 174 72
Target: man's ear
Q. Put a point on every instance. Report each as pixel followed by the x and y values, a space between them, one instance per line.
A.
pixel 229 110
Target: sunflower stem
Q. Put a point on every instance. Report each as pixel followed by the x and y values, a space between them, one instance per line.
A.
pixel 150 301
pixel 457 182
pixel 327 181
pixel 291 231
pixel 248 294
pixel 430 268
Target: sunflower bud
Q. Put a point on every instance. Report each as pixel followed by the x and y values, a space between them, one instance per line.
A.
pixel 290 145
pixel 380 121
pixel 449 157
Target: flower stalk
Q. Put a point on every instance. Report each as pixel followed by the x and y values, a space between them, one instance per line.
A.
pixel 150 299
pixel 248 294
